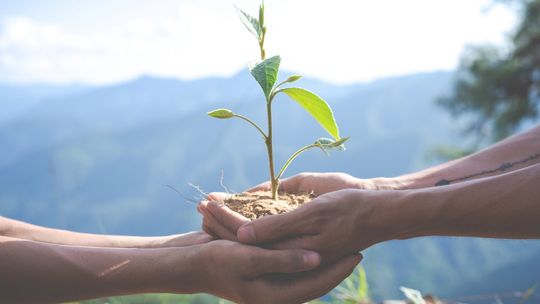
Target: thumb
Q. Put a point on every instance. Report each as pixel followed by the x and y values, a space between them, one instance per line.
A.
pixel 270 228
pixel 228 218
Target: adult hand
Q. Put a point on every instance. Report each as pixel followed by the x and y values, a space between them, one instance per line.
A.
pixel 223 223
pixel 180 240
pixel 334 224
pixel 218 220
pixel 320 183
pixel 248 274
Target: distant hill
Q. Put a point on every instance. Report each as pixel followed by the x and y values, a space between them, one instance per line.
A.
pixel 98 159
pixel 17 99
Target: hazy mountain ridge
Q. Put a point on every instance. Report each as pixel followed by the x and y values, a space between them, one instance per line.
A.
pixel 99 159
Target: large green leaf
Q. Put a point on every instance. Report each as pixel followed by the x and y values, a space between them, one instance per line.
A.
pixel 317 107
pixel 250 22
pixel 265 72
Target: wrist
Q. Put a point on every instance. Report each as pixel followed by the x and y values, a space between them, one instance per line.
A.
pixel 179 270
pixel 389 183
pixel 154 241
pixel 415 212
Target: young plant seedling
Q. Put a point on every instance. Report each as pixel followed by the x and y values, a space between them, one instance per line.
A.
pixel 265 73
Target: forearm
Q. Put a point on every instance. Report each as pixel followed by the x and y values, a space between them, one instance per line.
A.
pixel 514 153
pixel 38 272
pixel 503 206
pixel 21 230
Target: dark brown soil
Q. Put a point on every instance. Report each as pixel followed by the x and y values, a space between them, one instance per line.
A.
pixel 253 205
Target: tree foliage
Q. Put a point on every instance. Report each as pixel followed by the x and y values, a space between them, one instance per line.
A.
pixel 500 86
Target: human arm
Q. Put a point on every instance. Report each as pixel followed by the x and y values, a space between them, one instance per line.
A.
pixel 56 273
pixel 516 152
pixel 21 230
pixel 337 223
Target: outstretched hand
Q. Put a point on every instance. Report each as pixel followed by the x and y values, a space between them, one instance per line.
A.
pixel 248 274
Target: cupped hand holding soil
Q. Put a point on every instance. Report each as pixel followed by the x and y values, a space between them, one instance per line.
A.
pixel 333 224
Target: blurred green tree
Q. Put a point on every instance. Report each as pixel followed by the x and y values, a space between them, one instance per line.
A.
pixel 498 88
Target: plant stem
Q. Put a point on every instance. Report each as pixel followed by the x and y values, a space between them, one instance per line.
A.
pixel 295 155
pixel 261 43
pixel 273 181
pixel 252 123
pixel 263 54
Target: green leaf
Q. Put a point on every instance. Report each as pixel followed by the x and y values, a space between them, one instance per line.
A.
pixel 261 15
pixel 327 143
pixel 221 113
pixel 265 72
pixel 250 22
pixel 317 107
pixel 292 78
pixel 363 287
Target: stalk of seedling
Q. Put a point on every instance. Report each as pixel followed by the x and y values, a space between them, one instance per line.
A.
pixel 265 73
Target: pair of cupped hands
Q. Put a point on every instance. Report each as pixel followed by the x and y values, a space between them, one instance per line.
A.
pixel 300 255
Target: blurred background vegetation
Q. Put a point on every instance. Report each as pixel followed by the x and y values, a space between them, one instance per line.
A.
pixel 96 158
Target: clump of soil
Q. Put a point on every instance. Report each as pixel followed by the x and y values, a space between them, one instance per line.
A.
pixel 253 205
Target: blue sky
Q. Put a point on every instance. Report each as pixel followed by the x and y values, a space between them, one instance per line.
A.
pixel 341 41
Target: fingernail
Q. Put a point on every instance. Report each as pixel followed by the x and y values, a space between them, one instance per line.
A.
pixel 311 259
pixel 246 234
pixel 213 204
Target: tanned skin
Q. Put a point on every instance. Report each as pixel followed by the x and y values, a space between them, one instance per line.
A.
pixel 494 193
pixel 43 265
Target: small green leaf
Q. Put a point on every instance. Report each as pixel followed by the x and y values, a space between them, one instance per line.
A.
pixel 250 22
pixel 221 113
pixel 265 72
pixel 292 78
pixel 340 144
pixel 324 141
pixel 317 107
pixel 327 143
pixel 261 15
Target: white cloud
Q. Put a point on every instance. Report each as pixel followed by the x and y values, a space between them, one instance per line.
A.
pixel 340 41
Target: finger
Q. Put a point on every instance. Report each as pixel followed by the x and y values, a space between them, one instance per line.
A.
pixel 316 283
pixel 260 187
pixel 218 196
pixel 210 232
pixel 265 261
pixel 273 227
pixel 308 242
pixel 201 206
pixel 213 226
pixel 289 184
pixel 188 239
pixel 228 218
